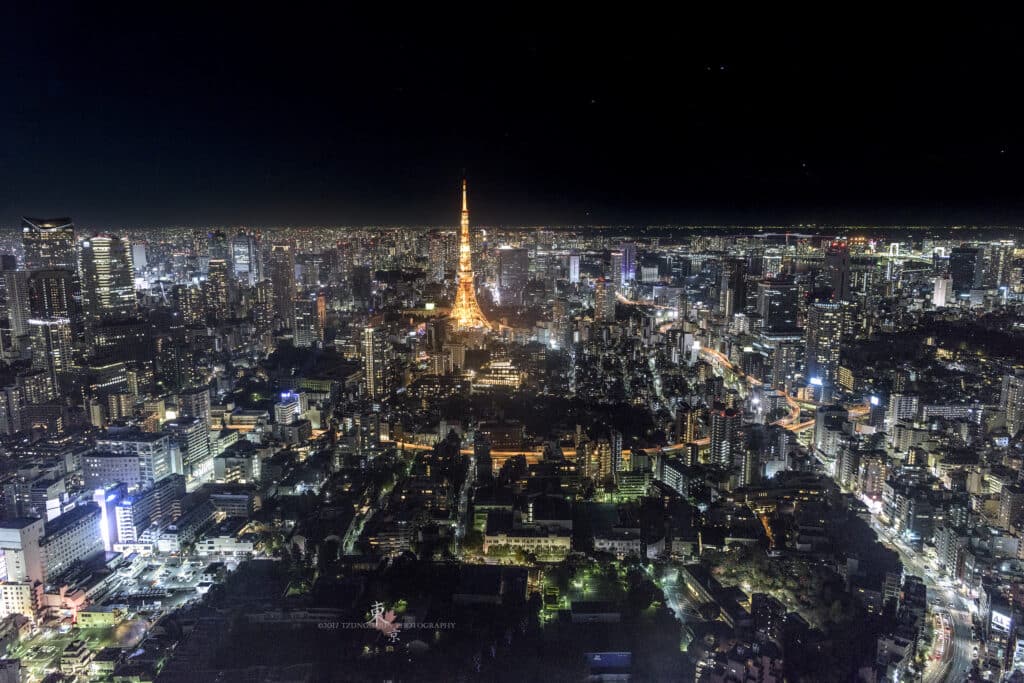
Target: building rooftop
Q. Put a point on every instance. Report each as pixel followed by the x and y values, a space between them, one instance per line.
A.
pixel 17 522
pixel 71 517
pixel 131 435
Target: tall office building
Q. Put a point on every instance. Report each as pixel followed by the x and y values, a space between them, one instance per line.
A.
pixel 48 243
pixel 837 270
pixel 823 334
pixel 107 276
pixel 220 250
pixel 513 274
pixel 51 293
pixel 726 442
pixel 139 259
pixel 217 289
pixel 942 291
pixel 628 273
pixel 732 290
pixel 965 267
pixel 245 259
pixel 778 304
pixel 282 278
pixel 574 267
pixel 375 363
pixel 997 263
pixel 309 329
pixel 615 262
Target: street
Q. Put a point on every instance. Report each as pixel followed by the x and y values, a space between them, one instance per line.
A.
pixel 956 655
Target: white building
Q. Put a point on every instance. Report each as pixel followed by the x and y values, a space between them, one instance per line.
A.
pixel 20 556
pixel 152 449
pixel 71 538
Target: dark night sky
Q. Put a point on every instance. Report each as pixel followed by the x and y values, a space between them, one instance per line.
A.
pixel 133 117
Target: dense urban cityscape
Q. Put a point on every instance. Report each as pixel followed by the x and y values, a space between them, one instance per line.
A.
pixel 388 343
pixel 705 454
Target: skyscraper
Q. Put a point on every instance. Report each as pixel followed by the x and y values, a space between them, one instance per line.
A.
pixel 604 300
pixel 513 274
pixel 375 363
pixel 437 255
pixel 628 262
pixel 998 263
pixel 615 262
pixel 732 293
pixel 107 275
pixel 308 329
pixel 943 288
pixel 282 278
pixel 217 289
pixel 965 267
pixel 837 270
pixel 823 334
pixel 50 293
pixel 778 304
pixel 466 313
pixel 219 248
pixel 574 267
pixel 16 291
pixel 48 243
pixel 245 259
pixel 51 346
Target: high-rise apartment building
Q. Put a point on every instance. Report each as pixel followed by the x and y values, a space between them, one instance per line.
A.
pixel 726 442
pixel 823 336
pixel 376 363
pixel 1011 402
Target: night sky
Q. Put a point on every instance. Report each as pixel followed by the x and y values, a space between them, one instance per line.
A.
pixel 131 117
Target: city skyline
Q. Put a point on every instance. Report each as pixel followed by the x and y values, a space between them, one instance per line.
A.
pixel 722 381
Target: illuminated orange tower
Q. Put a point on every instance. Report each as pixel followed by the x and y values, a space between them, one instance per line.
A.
pixel 466 313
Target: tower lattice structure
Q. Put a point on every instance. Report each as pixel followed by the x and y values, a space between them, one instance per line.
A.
pixel 466 313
